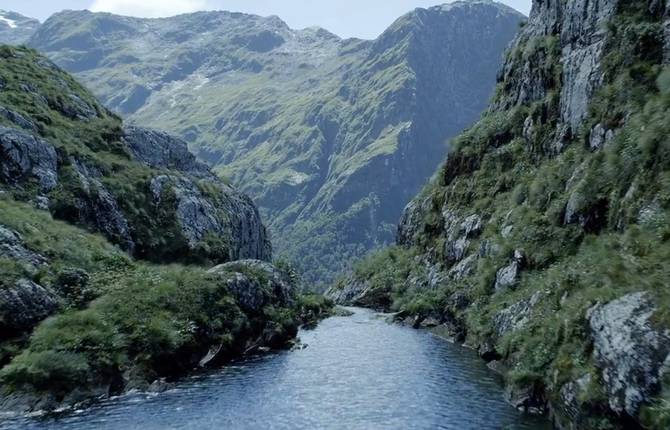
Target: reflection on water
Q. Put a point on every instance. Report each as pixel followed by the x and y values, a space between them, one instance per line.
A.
pixel 356 373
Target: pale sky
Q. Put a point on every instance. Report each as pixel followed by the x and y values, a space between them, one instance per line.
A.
pixel 346 18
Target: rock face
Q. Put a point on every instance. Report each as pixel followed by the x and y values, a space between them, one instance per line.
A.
pixel 256 283
pixel 98 207
pixel 131 184
pixel 230 214
pixel 23 156
pixel 162 151
pixel 331 173
pixel 23 305
pixel 579 29
pixel 13 248
pixel 629 350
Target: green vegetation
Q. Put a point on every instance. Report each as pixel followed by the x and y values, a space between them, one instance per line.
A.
pixel 330 137
pixel 116 321
pixel 590 223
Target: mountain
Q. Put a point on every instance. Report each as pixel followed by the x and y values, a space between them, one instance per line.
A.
pixel 124 260
pixel 330 137
pixel 15 28
pixel 543 241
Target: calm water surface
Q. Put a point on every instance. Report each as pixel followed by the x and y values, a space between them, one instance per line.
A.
pixel 356 373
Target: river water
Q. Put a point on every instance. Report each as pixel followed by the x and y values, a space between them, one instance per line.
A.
pixel 355 372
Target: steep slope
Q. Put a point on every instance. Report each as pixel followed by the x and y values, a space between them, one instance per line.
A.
pixel 15 28
pixel 330 137
pixel 69 169
pixel 543 240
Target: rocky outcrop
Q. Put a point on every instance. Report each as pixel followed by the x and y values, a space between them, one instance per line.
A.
pixel 99 208
pixel 577 29
pixel 629 350
pixel 256 283
pixel 348 292
pixel 410 221
pixel 23 305
pixel 12 247
pixel 17 119
pixel 160 150
pixel 516 316
pixel 24 156
pixel 227 214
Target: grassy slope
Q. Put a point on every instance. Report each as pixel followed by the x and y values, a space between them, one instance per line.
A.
pixel 127 322
pixel 495 172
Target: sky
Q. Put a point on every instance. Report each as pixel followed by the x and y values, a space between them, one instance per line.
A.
pixel 347 18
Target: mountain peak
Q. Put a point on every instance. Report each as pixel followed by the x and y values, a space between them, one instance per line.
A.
pixel 16 28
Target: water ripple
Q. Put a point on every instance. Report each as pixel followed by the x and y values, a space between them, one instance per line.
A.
pixel 356 373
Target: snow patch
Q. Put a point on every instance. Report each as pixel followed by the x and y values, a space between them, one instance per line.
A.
pixel 10 22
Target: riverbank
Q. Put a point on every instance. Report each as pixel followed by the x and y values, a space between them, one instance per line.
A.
pixel 355 372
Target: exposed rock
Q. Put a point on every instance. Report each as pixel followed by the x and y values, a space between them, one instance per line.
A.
pixel 348 292
pixel 12 247
pixel 163 151
pixel 528 398
pixel 100 209
pixel 230 215
pixel 508 277
pixel 23 305
pixel 583 39
pixel 629 351
pixel 410 221
pixel 256 283
pixel 41 203
pixel 75 108
pixel 487 351
pixel 516 316
pixel 464 268
pixel 570 393
pixel 600 137
pixel 18 119
pixel 472 226
pixel 23 156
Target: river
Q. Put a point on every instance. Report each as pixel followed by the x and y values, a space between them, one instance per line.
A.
pixel 356 372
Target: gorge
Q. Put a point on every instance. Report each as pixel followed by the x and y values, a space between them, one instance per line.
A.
pixel 138 276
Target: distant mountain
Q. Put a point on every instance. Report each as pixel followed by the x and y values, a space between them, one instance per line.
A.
pixel 331 137
pixel 15 28
pixel 543 241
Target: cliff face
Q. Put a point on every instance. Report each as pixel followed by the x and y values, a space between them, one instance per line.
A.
pixel 330 137
pixel 65 152
pixel 541 242
pixel 95 220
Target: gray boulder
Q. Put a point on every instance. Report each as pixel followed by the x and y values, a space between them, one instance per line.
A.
pixel 508 277
pixel 600 137
pixel 629 350
pixel 23 305
pixel 24 156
